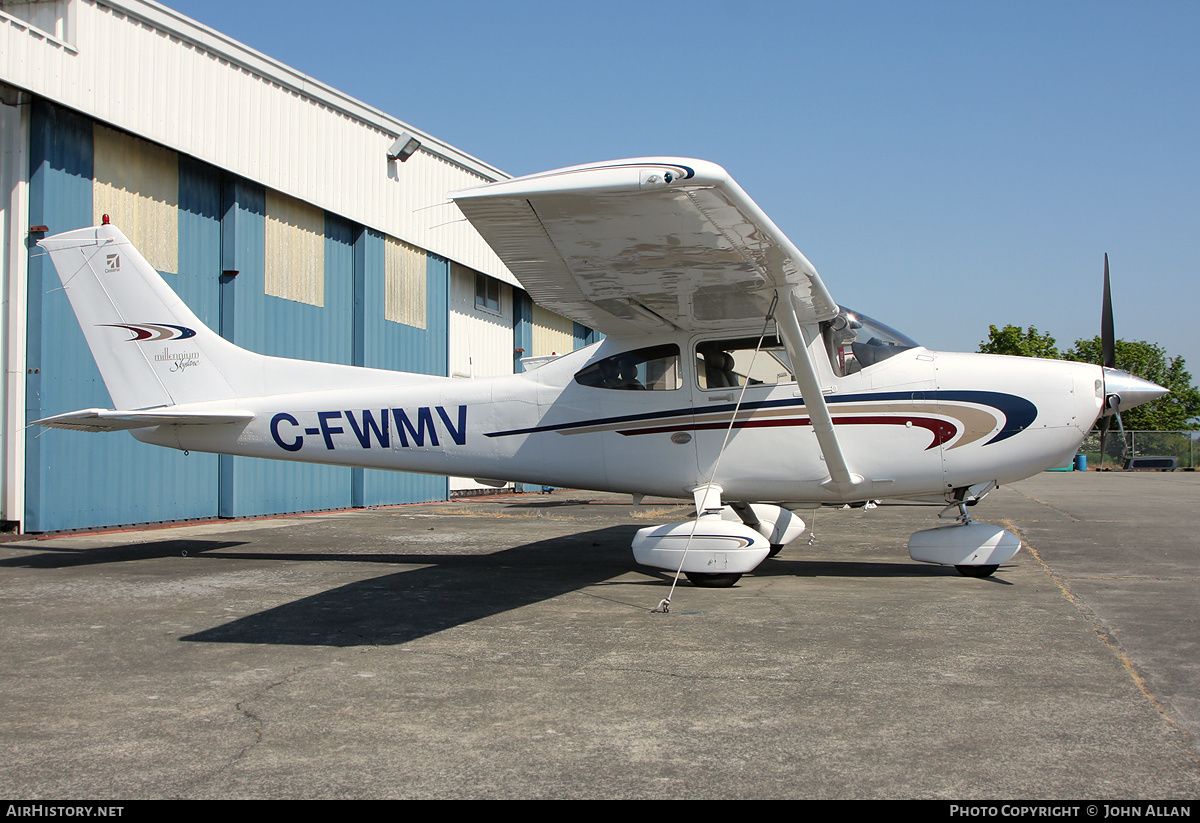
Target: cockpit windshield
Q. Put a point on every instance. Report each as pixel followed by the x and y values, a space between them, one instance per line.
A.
pixel 856 342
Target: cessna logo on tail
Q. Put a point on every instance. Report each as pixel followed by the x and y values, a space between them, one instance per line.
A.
pixel 369 428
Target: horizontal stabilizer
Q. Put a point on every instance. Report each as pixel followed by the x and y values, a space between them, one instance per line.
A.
pixel 105 420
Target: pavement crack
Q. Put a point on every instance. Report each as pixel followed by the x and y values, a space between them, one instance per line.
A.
pixel 1141 578
pixel 255 719
pixel 1104 633
pixel 1050 506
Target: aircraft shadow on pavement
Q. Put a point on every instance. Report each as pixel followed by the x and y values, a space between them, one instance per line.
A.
pixel 453 589
pixel 782 566
pixel 58 557
pixel 447 591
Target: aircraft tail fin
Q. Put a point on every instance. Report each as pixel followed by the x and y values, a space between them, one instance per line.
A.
pixel 151 349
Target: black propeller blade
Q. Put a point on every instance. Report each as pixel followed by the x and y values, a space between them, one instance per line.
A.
pixel 1108 339
pixel 1108 347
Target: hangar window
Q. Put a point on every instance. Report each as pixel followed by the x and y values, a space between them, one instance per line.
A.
pixel 655 368
pixel 731 363
pixel 487 293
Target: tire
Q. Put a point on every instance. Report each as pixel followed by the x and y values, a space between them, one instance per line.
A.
pixel 976 571
pixel 712 581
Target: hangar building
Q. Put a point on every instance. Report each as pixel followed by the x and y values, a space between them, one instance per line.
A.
pixel 273 204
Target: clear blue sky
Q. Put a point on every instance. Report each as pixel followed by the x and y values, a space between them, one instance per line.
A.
pixel 944 165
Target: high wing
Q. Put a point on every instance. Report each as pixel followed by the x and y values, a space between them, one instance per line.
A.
pixel 645 244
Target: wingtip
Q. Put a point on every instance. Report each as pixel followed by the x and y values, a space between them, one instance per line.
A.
pixel 628 174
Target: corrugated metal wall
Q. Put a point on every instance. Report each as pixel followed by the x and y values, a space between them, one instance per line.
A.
pixel 72 483
pixel 137 185
pixel 522 329
pixel 272 325
pixel 404 289
pixel 552 333
pixel 221 223
pixel 585 336
pixel 204 201
pixel 481 341
pixel 14 260
pixel 296 240
pixel 382 343
pixel 150 71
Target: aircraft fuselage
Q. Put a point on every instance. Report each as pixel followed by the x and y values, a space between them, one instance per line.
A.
pixel 920 423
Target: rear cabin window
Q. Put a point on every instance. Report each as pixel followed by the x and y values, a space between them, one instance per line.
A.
pixel 655 368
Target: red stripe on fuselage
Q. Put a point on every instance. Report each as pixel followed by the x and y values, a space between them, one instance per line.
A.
pixel 941 430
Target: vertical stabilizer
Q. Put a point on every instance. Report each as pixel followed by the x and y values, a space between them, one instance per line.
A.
pixel 150 348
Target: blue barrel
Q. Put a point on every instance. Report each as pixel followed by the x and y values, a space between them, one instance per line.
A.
pixel 1081 462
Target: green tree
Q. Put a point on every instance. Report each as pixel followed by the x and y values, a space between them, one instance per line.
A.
pixel 1015 340
pixel 1149 361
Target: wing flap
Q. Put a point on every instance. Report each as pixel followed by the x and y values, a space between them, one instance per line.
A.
pixel 644 244
pixel 103 420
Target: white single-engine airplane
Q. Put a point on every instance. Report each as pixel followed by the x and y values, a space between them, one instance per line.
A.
pixel 728 375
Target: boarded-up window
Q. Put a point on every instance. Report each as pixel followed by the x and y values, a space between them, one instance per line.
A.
pixel 404 283
pixel 295 265
pixel 137 186
pixel 552 333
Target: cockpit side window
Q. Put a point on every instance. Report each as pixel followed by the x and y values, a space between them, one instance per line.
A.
pixel 655 368
pixel 736 362
pixel 856 342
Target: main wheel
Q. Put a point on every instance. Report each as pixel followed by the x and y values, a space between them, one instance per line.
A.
pixel 712 581
pixel 776 548
pixel 976 571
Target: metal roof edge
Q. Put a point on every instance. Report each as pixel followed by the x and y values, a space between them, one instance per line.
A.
pixel 237 53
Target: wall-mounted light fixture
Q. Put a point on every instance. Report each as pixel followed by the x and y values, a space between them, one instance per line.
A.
pixel 405 147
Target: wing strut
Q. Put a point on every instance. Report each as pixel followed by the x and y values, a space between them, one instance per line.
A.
pixel 841 478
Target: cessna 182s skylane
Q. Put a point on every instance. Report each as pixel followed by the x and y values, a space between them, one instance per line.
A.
pixel 729 376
